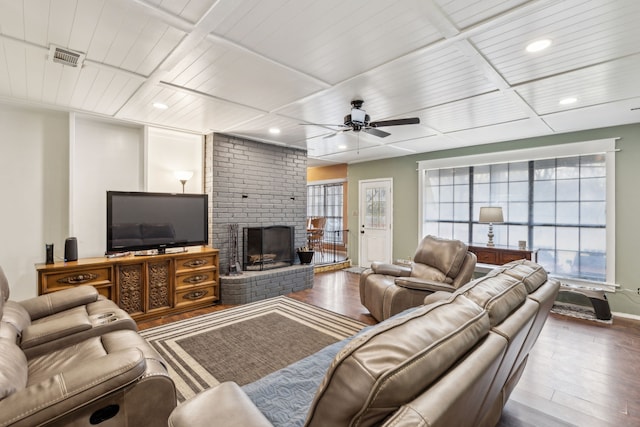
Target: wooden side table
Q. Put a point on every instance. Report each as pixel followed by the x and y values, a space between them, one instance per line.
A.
pixel 499 255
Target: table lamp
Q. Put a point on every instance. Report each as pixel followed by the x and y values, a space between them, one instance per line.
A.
pixel 491 215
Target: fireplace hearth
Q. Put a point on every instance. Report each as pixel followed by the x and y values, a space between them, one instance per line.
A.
pixel 266 248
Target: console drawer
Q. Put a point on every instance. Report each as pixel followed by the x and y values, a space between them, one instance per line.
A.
pixel 196 295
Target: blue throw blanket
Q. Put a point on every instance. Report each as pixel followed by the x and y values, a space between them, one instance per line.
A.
pixel 285 396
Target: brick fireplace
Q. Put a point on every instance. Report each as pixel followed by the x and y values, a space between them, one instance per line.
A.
pixel 253 184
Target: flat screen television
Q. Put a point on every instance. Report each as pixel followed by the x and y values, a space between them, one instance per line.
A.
pixel 139 221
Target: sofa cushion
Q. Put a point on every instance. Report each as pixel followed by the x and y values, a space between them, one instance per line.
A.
pixel 13 368
pixel 533 275
pixel 443 254
pixel 499 294
pixel 393 362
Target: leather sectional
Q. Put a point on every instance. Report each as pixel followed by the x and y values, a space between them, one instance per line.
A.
pixel 450 362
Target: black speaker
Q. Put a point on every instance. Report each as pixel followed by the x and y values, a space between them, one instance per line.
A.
pixel 71 249
pixel 49 249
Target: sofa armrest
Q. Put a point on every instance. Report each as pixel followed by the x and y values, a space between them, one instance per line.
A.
pixel 48 304
pixel 391 269
pixel 225 404
pixel 39 333
pixel 70 389
pixel 423 284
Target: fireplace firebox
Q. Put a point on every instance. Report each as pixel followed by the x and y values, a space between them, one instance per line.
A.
pixel 266 248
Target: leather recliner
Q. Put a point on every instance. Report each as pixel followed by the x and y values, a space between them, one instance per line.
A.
pixel 438 265
pixel 62 318
pixel 76 369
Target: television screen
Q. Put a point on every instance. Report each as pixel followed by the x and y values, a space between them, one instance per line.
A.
pixel 140 221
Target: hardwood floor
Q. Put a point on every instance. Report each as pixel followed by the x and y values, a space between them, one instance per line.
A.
pixel 579 373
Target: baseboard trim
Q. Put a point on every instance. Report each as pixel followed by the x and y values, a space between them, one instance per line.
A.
pixel 625 315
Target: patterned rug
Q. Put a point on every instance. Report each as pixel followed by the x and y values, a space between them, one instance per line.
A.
pixel 245 343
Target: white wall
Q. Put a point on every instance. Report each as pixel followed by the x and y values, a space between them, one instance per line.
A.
pixel 170 151
pixel 34 192
pixel 105 156
pixel 56 169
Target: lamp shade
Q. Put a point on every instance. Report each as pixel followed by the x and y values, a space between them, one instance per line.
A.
pixel 183 175
pixel 491 214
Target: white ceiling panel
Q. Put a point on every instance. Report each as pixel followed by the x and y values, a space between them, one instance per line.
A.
pixel 606 82
pixel 500 132
pixel 465 13
pixel 603 115
pixel 233 74
pixel 191 10
pixel 189 112
pixel 474 112
pixel 244 66
pixel 583 32
pixel 332 39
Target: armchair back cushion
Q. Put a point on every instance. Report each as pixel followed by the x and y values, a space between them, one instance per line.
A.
pixel 387 366
pixel 443 254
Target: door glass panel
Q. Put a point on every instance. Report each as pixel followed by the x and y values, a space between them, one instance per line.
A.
pixel 375 216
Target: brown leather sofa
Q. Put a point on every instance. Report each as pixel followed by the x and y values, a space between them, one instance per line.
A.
pixel 438 265
pixel 73 358
pixel 450 362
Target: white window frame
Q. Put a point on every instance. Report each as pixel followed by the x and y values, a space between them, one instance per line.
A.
pixel 600 146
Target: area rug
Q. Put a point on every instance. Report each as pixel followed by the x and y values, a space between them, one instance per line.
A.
pixel 245 343
pixel 577 311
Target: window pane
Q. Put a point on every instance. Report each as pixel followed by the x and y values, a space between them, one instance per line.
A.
pixel 544 237
pixel 461 193
pixel 593 213
pixel 593 189
pixel 593 239
pixel 461 176
pixel 567 168
pixel 500 237
pixel 517 233
pixel 500 173
pixel 544 169
pixel 568 190
pixel 446 211
pixel 567 213
pixel 461 231
pixel 461 213
pixel 445 230
pixel 518 212
pixel 499 192
pixel 431 211
pixel 482 193
pixel 568 238
pixel 592 166
pixel 519 171
pixel 518 191
pixel 446 193
pixel 544 191
pixel 446 176
pixel 431 228
pixel 544 213
pixel 482 174
pixel 480 234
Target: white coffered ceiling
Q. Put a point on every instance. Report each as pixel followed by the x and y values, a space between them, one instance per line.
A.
pixel 245 66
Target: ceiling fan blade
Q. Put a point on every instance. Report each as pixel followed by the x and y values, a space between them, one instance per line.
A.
pixel 331 135
pixel 376 132
pixel 322 124
pixel 396 122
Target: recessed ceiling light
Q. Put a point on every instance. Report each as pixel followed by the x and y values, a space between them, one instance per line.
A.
pixel 538 45
pixel 160 106
pixel 567 101
pixel 274 131
pixel 342 147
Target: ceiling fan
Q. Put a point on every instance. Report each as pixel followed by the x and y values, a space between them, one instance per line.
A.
pixel 358 121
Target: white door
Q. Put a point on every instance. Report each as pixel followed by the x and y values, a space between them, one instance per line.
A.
pixel 376 207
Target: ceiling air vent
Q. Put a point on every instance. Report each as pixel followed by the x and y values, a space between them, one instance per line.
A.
pixel 66 56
